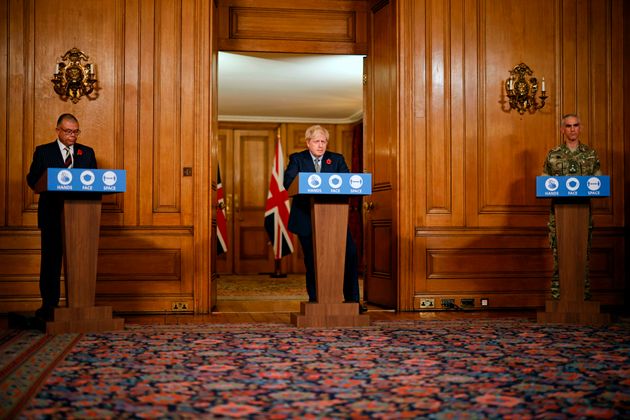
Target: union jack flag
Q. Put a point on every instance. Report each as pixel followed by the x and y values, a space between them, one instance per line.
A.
pixel 277 209
pixel 222 232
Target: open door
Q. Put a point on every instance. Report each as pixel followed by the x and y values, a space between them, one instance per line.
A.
pixel 246 156
pixel 381 256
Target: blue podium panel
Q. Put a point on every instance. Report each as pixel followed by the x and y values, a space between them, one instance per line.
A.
pixel 334 183
pixel 572 186
pixel 86 180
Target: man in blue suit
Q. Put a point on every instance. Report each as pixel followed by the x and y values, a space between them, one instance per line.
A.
pixel 62 152
pixel 317 159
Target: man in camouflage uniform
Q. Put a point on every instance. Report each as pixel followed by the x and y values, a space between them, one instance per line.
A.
pixel 570 158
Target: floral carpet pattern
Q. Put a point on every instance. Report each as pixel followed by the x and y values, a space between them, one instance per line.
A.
pixel 415 369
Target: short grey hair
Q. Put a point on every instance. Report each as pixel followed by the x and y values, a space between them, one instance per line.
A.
pixel 313 130
pixel 565 116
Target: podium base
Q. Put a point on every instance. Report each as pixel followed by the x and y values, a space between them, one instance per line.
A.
pixel 84 319
pixel 329 315
pixel 572 312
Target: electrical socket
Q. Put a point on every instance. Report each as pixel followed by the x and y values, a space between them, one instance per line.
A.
pixel 468 302
pixel 427 303
pixel 179 306
pixel 448 303
pixel 484 301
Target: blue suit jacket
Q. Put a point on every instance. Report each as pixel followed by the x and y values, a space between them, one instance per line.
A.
pixel 300 217
pixel 49 156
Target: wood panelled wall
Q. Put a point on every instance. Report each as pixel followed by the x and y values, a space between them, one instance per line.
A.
pixel 154 116
pixel 479 230
pixel 463 211
pixel 151 116
pixel 305 26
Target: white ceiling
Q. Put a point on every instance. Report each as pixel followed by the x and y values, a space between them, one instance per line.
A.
pixel 290 87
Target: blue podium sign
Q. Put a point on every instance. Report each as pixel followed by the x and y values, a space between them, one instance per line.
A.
pixel 86 180
pixel 572 186
pixel 334 183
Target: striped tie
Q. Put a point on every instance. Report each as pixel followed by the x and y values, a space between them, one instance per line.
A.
pixel 318 166
pixel 68 162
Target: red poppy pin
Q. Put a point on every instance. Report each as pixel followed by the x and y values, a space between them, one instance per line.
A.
pixel 79 152
pixel 328 161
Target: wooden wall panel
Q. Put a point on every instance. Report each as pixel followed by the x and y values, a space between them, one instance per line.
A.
pixel 577 47
pixel 102 42
pixel 41 36
pixel 443 171
pixel 19 269
pixel 311 26
pixel 622 47
pixel 516 263
pixel 511 148
pixel 143 270
pixel 4 34
pixel 167 145
pixel 151 116
pixel 486 264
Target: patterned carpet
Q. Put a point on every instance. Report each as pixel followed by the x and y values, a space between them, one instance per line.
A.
pixel 415 369
pixel 26 358
pixel 260 287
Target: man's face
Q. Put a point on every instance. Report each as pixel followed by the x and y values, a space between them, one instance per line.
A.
pixel 571 129
pixel 317 144
pixel 68 131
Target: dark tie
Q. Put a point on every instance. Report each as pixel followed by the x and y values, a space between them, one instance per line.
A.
pixel 318 167
pixel 68 160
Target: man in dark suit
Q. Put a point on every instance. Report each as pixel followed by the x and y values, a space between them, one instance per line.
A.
pixel 317 159
pixel 62 152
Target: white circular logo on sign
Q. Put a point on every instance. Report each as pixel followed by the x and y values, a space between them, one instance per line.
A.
pixel 594 184
pixel 552 184
pixel 356 181
pixel 335 181
pixel 64 177
pixel 314 181
pixel 109 178
pixel 573 184
pixel 87 178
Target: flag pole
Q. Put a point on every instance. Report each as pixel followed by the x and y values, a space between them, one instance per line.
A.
pixel 277 271
pixel 277 212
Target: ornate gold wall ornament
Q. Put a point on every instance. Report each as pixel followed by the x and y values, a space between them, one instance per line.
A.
pixel 73 79
pixel 521 92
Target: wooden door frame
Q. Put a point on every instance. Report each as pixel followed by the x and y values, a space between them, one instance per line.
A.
pixel 403 216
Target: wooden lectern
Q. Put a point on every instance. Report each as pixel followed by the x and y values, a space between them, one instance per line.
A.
pixel 81 229
pixel 572 212
pixel 329 217
pixel 572 225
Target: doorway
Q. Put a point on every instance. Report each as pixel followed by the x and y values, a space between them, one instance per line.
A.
pixel 265 98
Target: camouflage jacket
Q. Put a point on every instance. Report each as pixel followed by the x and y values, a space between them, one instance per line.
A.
pixel 562 161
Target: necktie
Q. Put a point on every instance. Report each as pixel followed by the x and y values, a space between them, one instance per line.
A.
pixel 318 166
pixel 68 162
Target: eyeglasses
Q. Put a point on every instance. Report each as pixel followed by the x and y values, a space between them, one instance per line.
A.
pixel 70 132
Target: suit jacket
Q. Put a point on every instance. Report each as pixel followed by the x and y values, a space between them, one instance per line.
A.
pixel 49 156
pixel 300 217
